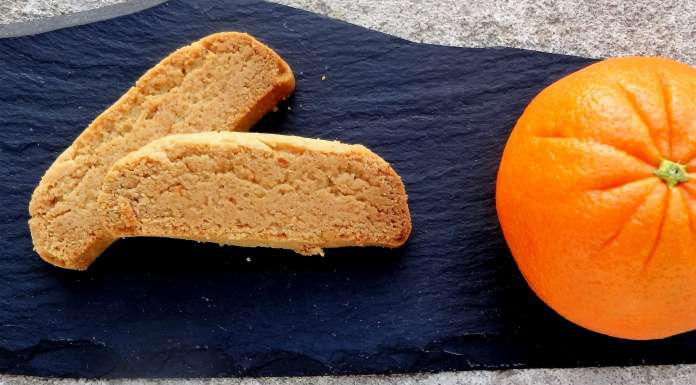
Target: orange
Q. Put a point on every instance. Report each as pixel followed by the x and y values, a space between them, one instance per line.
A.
pixel 596 200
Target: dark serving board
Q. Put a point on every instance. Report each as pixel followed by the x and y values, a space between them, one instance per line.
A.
pixel 451 299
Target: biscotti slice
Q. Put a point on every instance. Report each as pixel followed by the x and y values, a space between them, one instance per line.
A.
pixel 226 81
pixel 249 189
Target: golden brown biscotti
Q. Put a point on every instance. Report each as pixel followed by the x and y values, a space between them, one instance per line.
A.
pixel 249 189
pixel 224 82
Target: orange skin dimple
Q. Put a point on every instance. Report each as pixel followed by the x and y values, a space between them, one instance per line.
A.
pixel 596 233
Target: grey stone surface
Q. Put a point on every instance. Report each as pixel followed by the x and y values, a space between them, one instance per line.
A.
pixel 13 11
pixel 672 375
pixel 594 28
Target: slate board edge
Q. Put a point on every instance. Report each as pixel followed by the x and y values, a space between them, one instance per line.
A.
pixel 54 23
pixel 80 18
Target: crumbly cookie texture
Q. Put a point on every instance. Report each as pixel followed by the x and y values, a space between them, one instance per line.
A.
pixel 249 189
pixel 223 82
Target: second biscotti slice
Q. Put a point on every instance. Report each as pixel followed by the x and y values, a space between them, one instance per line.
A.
pixel 224 82
pixel 256 190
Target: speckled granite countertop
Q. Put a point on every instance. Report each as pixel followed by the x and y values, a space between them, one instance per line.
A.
pixel 594 28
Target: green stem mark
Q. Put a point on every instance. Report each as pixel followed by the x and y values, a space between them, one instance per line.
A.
pixel 672 173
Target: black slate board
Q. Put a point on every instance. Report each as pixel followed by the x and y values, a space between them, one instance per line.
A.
pixel 451 299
